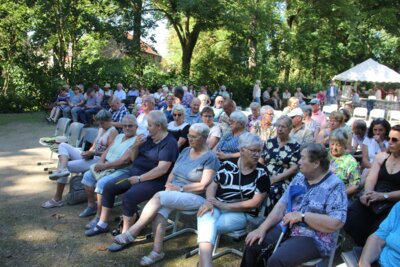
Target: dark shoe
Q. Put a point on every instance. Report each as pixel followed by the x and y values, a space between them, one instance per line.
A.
pixel 115 247
pixel 92 223
pixel 88 212
pixel 96 230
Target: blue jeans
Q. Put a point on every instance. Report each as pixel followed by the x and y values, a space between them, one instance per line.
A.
pixel 257 99
pixel 85 114
pixel 220 222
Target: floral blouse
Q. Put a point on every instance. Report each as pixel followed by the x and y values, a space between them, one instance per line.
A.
pixel 264 133
pixel 346 168
pixel 278 159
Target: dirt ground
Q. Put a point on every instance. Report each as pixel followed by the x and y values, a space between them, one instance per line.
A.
pixel 33 236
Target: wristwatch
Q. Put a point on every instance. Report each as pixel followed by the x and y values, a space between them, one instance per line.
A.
pixel 386 196
pixel 181 188
pixel 138 178
pixel 303 216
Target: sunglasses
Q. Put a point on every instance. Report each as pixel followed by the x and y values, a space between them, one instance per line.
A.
pixel 393 139
pixel 176 115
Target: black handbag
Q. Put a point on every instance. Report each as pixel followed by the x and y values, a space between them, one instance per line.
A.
pixel 381 207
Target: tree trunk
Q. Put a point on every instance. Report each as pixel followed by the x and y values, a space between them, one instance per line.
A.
pixel 137 26
pixel 252 43
pixel 188 46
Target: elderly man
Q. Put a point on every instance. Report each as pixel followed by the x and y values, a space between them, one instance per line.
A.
pixel 118 111
pixel 120 92
pixel 299 132
pixel 317 114
pixel 218 107
pixel 92 106
pixel 332 93
pixel 192 115
pixel 229 107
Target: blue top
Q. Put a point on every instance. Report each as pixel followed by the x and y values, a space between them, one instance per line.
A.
pixel 76 99
pixel 389 230
pixel 326 197
pixel 229 143
pixel 151 153
pixel 191 119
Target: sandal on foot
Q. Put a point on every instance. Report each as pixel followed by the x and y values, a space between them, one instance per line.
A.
pixel 115 247
pixel 152 258
pixel 92 223
pixel 52 204
pixel 97 230
pixel 124 239
pixel 58 174
pixel 88 212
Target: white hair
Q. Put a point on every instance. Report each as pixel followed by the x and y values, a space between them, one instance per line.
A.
pixel 239 117
pixel 158 118
pixel 201 128
pixel 249 139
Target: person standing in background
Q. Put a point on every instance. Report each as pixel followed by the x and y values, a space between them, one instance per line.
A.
pixel 257 92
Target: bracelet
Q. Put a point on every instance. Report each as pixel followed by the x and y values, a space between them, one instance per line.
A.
pixel 138 178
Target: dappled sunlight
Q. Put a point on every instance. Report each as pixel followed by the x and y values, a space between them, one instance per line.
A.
pixel 37 235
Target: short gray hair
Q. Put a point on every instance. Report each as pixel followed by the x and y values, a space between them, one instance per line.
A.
pixel 340 135
pixel 286 119
pixel 158 118
pixel 149 98
pixel 200 128
pixel 249 139
pixel 179 108
pixel 255 105
pixel 115 99
pixel 264 109
pixel 131 118
pixel 103 115
pixel 239 117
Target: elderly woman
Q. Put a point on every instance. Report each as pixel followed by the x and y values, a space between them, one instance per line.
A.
pixel 280 155
pixel 152 160
pixel 218 107
pixel 72 159
pixel 236 192
pixel 193 172
pixel 254 116
pixel 375 142
pixel 264 127
pixel 335 122
pixel 293 102
pixel 316 215
pixel 204 101
pixel 148 103
pixel 381 191
pixel 343 164
pixel 207 116
pixel 112 163
pixel 178 127
pixel 228 146
pixel 168 109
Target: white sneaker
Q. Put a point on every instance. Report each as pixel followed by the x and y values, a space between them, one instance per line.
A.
pixel 58 174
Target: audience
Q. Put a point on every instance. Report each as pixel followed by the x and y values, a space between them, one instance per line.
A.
pixel 92 106
pixel 313 225
pixel 300 133
pixel 75 103
pixel 168 108
pixel 178 127
pixel 228 146
pixel 151 163
pixel 317 114
pixel 233 197
pixel 120 92
pixel 310 123
pixel 229 107
pixel 381 191
pixel 71 159
pixel 118 111
pixel 207 116
pixel 293 102
pixel 264 128
pixel 147 106
pixel 218 108
pixel 61 104
pixel 280 155
pixel 192 115
pixel 254 116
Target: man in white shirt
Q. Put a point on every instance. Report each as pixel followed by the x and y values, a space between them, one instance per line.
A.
pixel 120 92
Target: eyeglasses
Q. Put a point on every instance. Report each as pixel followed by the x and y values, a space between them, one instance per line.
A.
pixel 192 137
pixel 176 115
pixel 393 139
pixel 207 116
pixel 254 151
pixel 129 126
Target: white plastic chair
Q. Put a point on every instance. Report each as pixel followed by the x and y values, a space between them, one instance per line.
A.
pixel 75 133
pixel 394 117
pixel 328 109
pixel 376 113
pixel 360 113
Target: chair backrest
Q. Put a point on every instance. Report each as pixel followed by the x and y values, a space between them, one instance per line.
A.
pixel 75 133
pixel 394 116
pixel 328 109
pixel 376 113
pixel 360 113
pixel 88 137
pixel 277 114
pixel 62 126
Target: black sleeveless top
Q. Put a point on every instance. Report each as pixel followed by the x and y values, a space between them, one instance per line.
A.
pixel 385 179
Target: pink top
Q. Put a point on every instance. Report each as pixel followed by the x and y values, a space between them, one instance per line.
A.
pixel 320 118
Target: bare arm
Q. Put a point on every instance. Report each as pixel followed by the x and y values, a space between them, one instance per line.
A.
pixel 181 141
pixel 135 148
pixel 197 187
pixel 321 222
pixel 365 160
pixel 161 169
pixel 212 142
pixel 371 250
pixel 246 205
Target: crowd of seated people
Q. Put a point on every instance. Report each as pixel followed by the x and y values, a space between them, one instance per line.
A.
pixel 190 155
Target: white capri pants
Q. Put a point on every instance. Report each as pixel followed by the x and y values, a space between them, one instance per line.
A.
pixel 174 200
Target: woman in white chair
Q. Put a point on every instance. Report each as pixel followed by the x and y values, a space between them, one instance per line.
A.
pixel 317 213
pixel 193 171
pixel 236 192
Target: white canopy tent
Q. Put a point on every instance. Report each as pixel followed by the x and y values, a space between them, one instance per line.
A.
pixel 369 71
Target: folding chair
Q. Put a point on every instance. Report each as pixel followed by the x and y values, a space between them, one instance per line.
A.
pixel 376 113
pixel 360 113
pixel 327 261
pixel 328 109
pixel 394 117
pixel 277 114
pixel 61 130
pixel 89 136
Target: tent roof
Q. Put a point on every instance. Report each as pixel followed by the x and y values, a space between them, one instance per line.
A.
pixel 369 71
